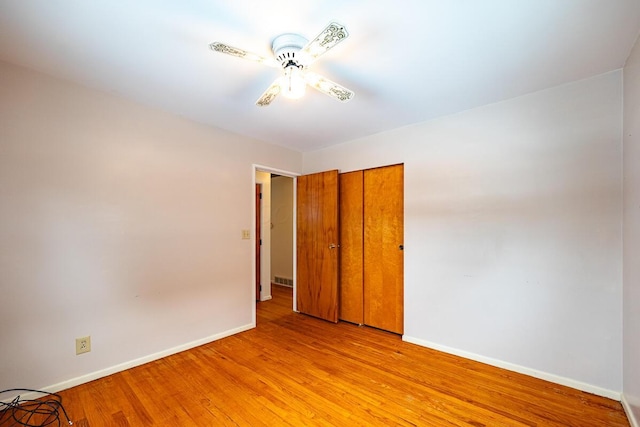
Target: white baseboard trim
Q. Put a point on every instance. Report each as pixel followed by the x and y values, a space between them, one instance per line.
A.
pixel 131 364
pixel 615 395
pixel 627 409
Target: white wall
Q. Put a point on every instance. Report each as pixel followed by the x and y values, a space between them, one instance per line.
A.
pixel 631 355
pixel 513 230
pixel 120 222
pixel 282 231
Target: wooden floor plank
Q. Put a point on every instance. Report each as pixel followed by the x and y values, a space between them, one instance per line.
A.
pixel 295 370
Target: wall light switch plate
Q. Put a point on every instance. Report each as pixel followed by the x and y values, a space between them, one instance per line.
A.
pixel 246 234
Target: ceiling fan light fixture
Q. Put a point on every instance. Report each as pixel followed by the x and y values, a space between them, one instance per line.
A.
pixel 294 53
pixel 293 85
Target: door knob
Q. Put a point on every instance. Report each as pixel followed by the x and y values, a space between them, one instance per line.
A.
pixel 332 246
pixel 401 247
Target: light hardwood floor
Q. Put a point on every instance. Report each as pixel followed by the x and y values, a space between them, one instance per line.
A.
pixel 294 370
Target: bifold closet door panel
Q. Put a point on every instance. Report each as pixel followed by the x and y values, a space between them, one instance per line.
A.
pixel 383 248
pixel 317 245
pixel 351 247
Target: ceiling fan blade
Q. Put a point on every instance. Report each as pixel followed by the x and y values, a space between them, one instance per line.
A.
pixel 234 51
pixel 270 94
pixel 327 39
pixel 328 87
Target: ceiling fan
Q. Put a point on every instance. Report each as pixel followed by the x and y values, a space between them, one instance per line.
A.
pixel 294 53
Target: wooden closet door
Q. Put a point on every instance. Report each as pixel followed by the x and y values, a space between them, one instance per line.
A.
pixel 317 245
pixel 351 247
pixel 383 248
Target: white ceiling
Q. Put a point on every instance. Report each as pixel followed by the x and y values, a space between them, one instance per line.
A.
pixel 407 60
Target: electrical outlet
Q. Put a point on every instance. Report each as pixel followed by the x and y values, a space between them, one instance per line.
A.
pixel 83 345
pixel 246 234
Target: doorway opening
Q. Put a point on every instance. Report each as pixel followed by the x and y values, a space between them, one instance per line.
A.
pixel 273 231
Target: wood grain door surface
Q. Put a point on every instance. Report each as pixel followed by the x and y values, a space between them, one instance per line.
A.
pixel 383 248
pixel 317 245
pixel 351 247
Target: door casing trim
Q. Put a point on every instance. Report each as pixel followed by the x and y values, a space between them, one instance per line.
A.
pixel 261 168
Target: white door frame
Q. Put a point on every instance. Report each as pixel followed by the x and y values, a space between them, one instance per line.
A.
pixel 255 168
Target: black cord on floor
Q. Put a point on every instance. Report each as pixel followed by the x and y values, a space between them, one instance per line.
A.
pixel 44 411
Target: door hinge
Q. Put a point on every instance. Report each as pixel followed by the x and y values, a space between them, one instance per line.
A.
pixel 260 242
pixel 260 288
pixel 260 196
